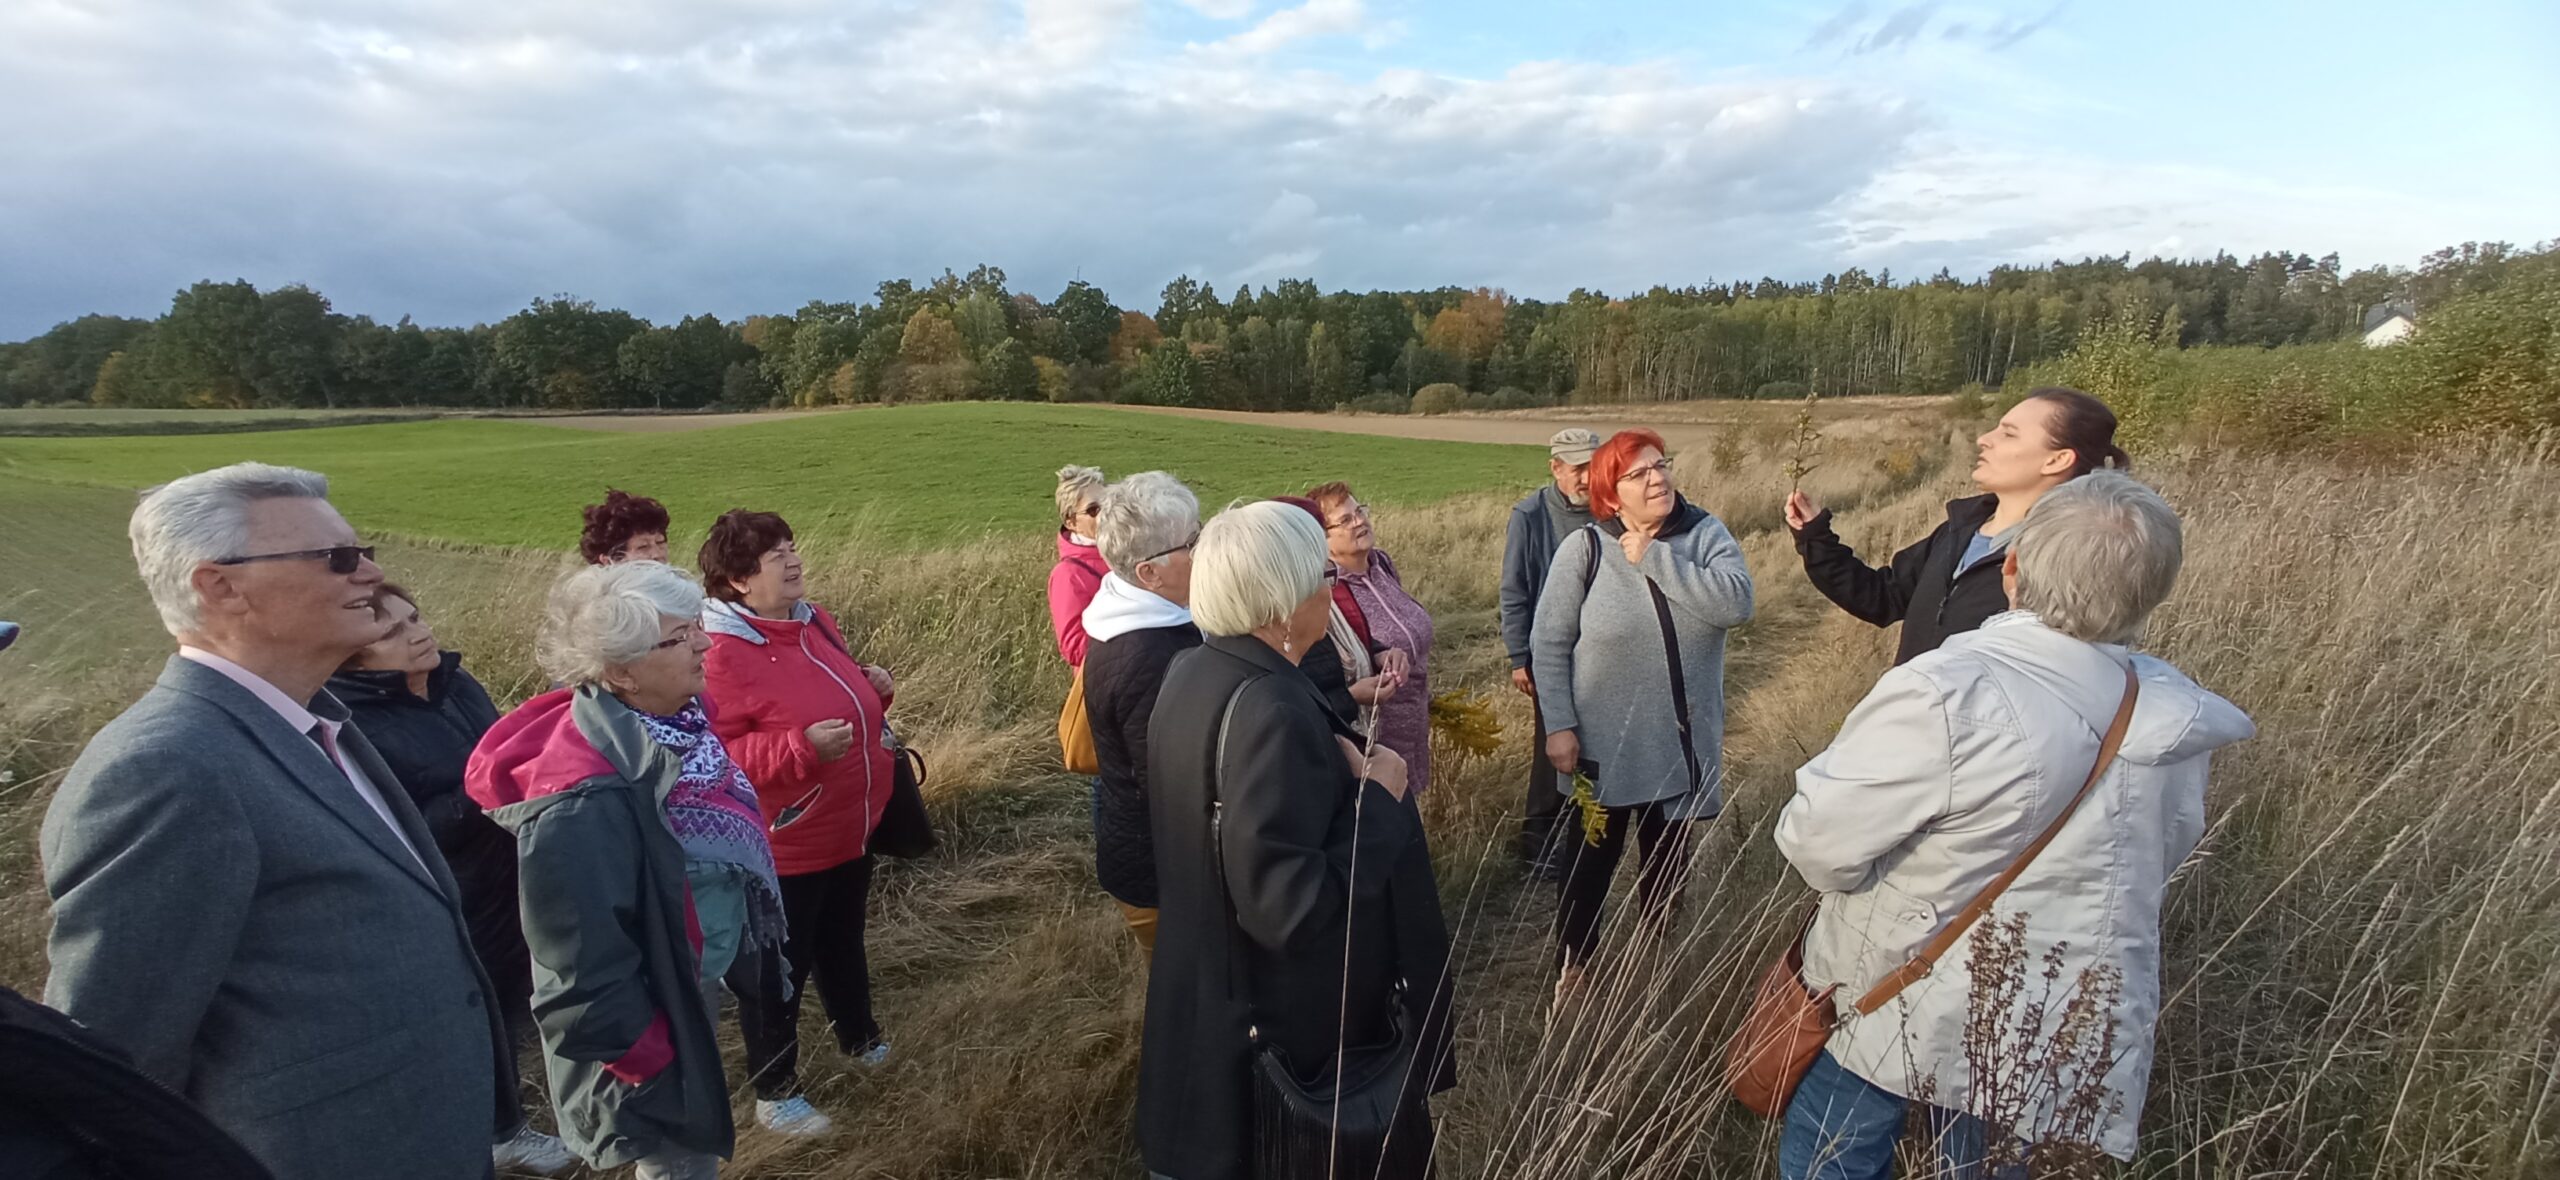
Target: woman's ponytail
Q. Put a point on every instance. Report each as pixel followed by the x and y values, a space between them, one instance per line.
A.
pixel 2084 426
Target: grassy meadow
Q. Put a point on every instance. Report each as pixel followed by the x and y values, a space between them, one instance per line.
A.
pixel 911 476
pixel 2363 962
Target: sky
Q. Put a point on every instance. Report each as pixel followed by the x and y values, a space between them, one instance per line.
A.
pixel 452 160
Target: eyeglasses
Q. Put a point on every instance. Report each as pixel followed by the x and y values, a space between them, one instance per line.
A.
pixel 684 635
pixel 343 559
pixel 1661 467
pixel 1195 539
pixel 1358 513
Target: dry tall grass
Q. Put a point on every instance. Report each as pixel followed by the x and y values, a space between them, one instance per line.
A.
pixel 2364 960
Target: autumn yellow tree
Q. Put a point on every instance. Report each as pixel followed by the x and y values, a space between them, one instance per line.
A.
pixel 1137 335
pixel 929 340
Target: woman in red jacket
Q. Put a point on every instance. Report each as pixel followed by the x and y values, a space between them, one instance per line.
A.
pixel 804 719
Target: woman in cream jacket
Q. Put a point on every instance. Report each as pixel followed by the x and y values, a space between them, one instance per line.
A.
pixel 1949 768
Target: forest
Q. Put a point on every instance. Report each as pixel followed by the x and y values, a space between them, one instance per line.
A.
pixel 1288 346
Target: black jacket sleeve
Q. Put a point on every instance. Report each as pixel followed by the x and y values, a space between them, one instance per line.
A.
pixel 1879 596
pixel 1300 850
pixel 1323 668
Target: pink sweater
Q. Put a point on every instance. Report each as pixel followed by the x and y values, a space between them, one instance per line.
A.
pixel 1072 583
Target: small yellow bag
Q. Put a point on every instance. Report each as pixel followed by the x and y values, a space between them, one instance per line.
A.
pixel 1075 732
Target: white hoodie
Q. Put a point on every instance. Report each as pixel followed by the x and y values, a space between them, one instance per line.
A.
pixel 1119 608
pixel 1949 768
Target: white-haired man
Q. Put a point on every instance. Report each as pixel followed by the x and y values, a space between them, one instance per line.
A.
pixel 1938 782
pixel 243 897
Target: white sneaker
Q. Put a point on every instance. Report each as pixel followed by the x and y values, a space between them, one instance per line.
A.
pixel 875 1056
pixel 792 1116
pixel 532 1151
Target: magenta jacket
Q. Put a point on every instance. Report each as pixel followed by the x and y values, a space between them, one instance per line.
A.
pixel 1072 583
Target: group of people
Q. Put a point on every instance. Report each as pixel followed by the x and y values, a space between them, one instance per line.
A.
pixel 316 883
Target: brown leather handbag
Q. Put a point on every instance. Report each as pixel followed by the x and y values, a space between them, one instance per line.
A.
pixel 1790 1022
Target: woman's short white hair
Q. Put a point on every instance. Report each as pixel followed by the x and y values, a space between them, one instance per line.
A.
pixel 604 616
pixel 2097 555
pixel 1254 564
pixel 204 517
pixel 1076 487
pixel 1144 515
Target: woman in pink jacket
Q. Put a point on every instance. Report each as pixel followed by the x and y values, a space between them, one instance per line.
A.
pixel 1078 574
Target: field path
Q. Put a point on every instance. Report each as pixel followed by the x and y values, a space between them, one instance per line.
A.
pixel 1682 424
pixel 660 423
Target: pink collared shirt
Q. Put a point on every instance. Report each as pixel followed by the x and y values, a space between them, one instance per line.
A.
pixel 302 719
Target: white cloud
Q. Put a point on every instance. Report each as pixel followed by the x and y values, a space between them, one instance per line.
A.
pixel 1969 206
pixel 456 159
pixel 1221 9
pixel 1313 19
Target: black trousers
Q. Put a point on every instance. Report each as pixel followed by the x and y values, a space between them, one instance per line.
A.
pixel 824 912
pixel 1538 822
pixel 1662 864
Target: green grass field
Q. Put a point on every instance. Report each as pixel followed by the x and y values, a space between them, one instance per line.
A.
pixel 911 476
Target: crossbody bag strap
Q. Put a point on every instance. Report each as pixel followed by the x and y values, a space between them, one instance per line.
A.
pixel 1679 678
pixel 1218 846
pixel 1926 958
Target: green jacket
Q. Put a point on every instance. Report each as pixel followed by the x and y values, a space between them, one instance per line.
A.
pixel 626 1037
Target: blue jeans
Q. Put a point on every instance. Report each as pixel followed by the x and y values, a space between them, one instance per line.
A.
pixel 1840 1126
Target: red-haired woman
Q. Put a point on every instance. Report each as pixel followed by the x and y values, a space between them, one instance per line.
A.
pixel 806 721
pixel 624 528
pixel 1628 655
pixel 1949 582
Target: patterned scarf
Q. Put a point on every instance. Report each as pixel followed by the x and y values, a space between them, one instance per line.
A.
pixel 714 815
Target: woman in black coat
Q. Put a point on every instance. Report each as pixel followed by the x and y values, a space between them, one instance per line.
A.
pixel 1949 582
pixel 1296 897
pixel 424 714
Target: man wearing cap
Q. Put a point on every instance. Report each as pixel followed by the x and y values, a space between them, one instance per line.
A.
pixel 1539 523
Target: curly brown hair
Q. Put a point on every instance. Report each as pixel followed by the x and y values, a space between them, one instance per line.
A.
pixel 736 548
pixel 612 524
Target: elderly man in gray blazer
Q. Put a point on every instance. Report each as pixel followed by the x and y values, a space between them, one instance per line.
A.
pixel 243 897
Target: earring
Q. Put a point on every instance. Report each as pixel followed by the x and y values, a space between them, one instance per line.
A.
pixel 1288 646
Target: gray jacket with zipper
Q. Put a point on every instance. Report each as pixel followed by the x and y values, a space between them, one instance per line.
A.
pixel 628 1042
pixel 1601 654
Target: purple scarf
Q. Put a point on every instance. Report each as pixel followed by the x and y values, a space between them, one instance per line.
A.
pixel 713 812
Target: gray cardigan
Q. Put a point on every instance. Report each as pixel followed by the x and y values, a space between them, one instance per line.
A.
pixel 1601 661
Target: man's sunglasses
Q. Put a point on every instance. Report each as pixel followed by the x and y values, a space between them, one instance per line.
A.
pixel 343 559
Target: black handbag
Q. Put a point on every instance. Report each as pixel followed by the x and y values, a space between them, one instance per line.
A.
pixel 905 830
pixel 1365 1118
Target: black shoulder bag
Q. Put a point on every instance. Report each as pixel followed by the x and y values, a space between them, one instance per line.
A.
pixel 1362 1119
pixel 905 830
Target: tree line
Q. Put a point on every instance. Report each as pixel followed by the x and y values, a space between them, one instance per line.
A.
pixel 1285 346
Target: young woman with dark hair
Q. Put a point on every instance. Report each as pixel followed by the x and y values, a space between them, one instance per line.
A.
pixel 1949 582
